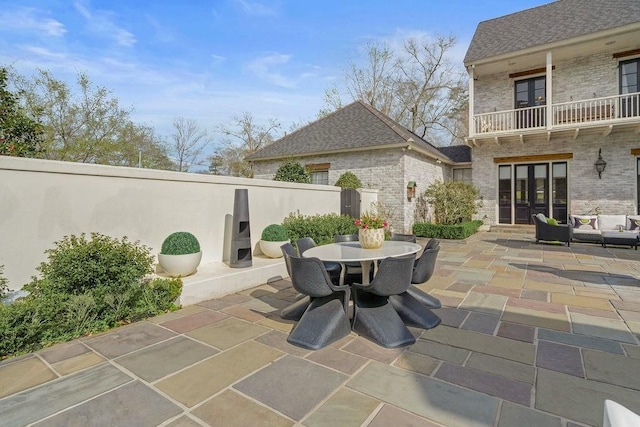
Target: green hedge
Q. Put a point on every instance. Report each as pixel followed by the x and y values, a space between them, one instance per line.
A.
pixel 446 231
pixel 86 286
pixel 321 228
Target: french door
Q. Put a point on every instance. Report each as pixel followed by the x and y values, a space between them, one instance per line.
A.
pixel 531 191
pixel 530 93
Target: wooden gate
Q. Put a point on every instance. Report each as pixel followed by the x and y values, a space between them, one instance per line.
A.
pixel 350 203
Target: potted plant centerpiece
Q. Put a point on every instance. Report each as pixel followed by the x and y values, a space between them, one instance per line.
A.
pixel 180 254
pixel 273 236
pixel 371 230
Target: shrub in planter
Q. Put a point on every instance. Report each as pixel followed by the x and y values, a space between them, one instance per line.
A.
pixel 273 236
pixel 180 254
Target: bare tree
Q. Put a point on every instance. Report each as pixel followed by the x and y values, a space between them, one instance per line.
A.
pixel 244 137
pixel 416 85
pixel 188 142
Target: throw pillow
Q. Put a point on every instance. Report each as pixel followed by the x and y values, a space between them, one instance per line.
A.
pixel 633 222
pixel 542 218
pixel 552 221
pixel 585 222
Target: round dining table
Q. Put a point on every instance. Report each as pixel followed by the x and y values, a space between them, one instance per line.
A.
pixel 344 252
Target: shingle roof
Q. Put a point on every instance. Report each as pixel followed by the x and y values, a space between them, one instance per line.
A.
pixel 354 126
pixel 457 153
pixel 553 22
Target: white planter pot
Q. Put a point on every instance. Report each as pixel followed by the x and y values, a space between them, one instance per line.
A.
pixel 179 265
pixel 272 249
pixel 371 238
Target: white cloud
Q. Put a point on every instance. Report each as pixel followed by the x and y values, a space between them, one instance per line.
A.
pixel 263 68
pixel 254 8
pixel 102 23
pixel 30 19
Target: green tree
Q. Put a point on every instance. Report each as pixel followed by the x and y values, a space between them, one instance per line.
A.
pixel 453 201
pixel 20 136
pixel 292 171
pixel 348 180
pixel 87 124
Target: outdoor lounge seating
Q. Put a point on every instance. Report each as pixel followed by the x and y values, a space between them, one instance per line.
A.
pixel 589 228
pixel 373 315
pixel 552 233
pixel 325 320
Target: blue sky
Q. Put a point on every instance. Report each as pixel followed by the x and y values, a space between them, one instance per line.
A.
pixel 210 60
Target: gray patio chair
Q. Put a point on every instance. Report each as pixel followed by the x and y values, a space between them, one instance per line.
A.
pixel 297 309
pixel 354 269
pixel 398 237
pixel 547 232
pixel 333 268
pixel 373 315
pixel 325 320
pixel 422 272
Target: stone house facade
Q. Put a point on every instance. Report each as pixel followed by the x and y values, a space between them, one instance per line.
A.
pixel 380 152
pixel 551 89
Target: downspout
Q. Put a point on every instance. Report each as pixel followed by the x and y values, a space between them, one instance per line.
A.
pixel 472 127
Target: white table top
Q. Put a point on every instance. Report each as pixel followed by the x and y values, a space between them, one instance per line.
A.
pixel 352 251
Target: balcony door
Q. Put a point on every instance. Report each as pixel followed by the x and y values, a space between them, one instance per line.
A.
pixel 629 84
pixel 530 93
pixel 531 191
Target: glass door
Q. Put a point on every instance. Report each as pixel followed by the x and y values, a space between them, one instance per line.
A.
pixel 629 84
pixel 530 93
pixel 531 191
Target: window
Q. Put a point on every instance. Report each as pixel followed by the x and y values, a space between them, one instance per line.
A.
pixel 320 177
pixel 319 173
pixel 463 175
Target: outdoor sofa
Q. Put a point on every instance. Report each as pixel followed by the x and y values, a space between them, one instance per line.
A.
pixel 551 232
pixel 589 228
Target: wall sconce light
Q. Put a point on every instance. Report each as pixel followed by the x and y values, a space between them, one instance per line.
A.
pixel 600 164
pixel 411 190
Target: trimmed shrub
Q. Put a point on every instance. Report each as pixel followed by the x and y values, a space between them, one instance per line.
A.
pixel 452 201
pixel 322 228
pixel 292 171
pixel 348 180
pixel 4 286
pixel 458 231
pixel 180 243
pixel 274 233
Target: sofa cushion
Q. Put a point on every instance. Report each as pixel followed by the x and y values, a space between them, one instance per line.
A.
pixel 633 222
pixel 552 221
pixel 611 222
pixel 586 231
pixel 542 218
pixel 584 222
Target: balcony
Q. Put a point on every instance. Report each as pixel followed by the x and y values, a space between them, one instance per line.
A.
pixel 593 115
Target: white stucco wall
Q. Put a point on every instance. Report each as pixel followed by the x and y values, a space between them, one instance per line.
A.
pixel 42 201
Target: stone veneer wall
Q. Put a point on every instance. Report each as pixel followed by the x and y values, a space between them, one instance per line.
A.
pixel 615 193
pixel 388 170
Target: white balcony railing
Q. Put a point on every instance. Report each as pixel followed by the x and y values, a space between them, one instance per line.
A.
pixel 563 115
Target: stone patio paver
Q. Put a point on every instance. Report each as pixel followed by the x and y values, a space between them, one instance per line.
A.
pixel 494 385
pixel 137 405
pixel 193 321
pixel 497 346
pixel 383 387
pixel 295 385
pixel 557 393
pixel 22 375
pixel 485 303
pixel 345 408
pixel 436 400
pixel 198 382
pixel 231 409
pixel 47 399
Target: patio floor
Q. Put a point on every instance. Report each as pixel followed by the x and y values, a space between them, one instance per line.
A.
pixel 531 335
